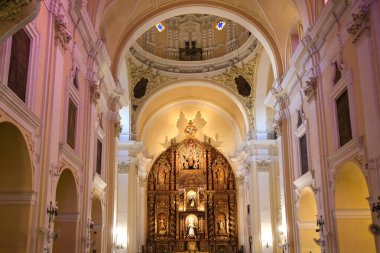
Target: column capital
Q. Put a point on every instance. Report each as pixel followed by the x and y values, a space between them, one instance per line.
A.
pixel 360 24
pixel 95 91
pixel 310 88
pixel 143 166
pixel 122 168
pixel 263 165
pixel 62 34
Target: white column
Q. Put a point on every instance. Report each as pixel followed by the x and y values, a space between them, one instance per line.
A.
pixel 122 209
pixel 142 200
pixel 132 207
pixel 240 164
pixel 128 156
pixel 263 177
pixel 242 213
pixel 255 207
pixel 283 230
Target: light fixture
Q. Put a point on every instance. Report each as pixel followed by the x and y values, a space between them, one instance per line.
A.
pixel 160 27
pixel 52 212
pixel 220 25
pixel 376 208
pixel 320 223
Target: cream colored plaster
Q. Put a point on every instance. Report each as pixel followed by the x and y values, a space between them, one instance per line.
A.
pixel 194 90
pixel 163 127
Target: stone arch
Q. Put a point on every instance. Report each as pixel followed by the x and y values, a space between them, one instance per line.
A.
pixel 67 220
pixel 352 210
pixel 307 215
pixel 16 190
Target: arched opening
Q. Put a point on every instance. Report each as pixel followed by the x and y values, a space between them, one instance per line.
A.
pixel 16 197
pixel 353 215
pixel 307 215
pixel 66 222
pixel 97 230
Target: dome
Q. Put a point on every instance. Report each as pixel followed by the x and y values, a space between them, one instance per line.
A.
pixel 193 43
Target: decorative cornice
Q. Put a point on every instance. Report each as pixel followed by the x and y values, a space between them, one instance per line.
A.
pixel 361 24
pixel 310 89
pixel 203 66
pixel 9 8
pixel 62 34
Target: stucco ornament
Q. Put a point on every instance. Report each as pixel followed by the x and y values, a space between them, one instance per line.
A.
pixel 8 9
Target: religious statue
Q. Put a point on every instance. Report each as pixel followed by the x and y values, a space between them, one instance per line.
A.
pixel 161 226
pixel 221 225
pixel 218 175
pixel 162 177
pixel 191 162
pixel 192 200
pixel 191 228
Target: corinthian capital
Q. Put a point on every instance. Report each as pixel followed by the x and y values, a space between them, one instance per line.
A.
pixel 310 89
pixel 361 24
pixel 118 127
pixel 95 92
pixel 62 34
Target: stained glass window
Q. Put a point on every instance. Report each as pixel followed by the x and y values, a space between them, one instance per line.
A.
pixel 160 27
pixel 220 25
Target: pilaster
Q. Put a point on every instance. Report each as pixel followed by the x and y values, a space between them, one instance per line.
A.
pixel 131 182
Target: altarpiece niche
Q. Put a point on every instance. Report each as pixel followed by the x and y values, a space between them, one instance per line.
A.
pixel 191 201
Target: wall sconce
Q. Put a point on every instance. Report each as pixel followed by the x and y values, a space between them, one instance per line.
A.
pixel 52 212
pixel 90 223
pixel 376 208
pixel 53 235
pixel 320 223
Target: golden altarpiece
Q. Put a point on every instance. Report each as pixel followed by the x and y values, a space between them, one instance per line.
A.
pixel 191 200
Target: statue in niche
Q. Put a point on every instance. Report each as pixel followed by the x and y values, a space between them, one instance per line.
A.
pixel 191 228
pixel 219 175
pixel 161 226
pixel 192 200
pixel 221 226
pixel 162 177
pixel 191 162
